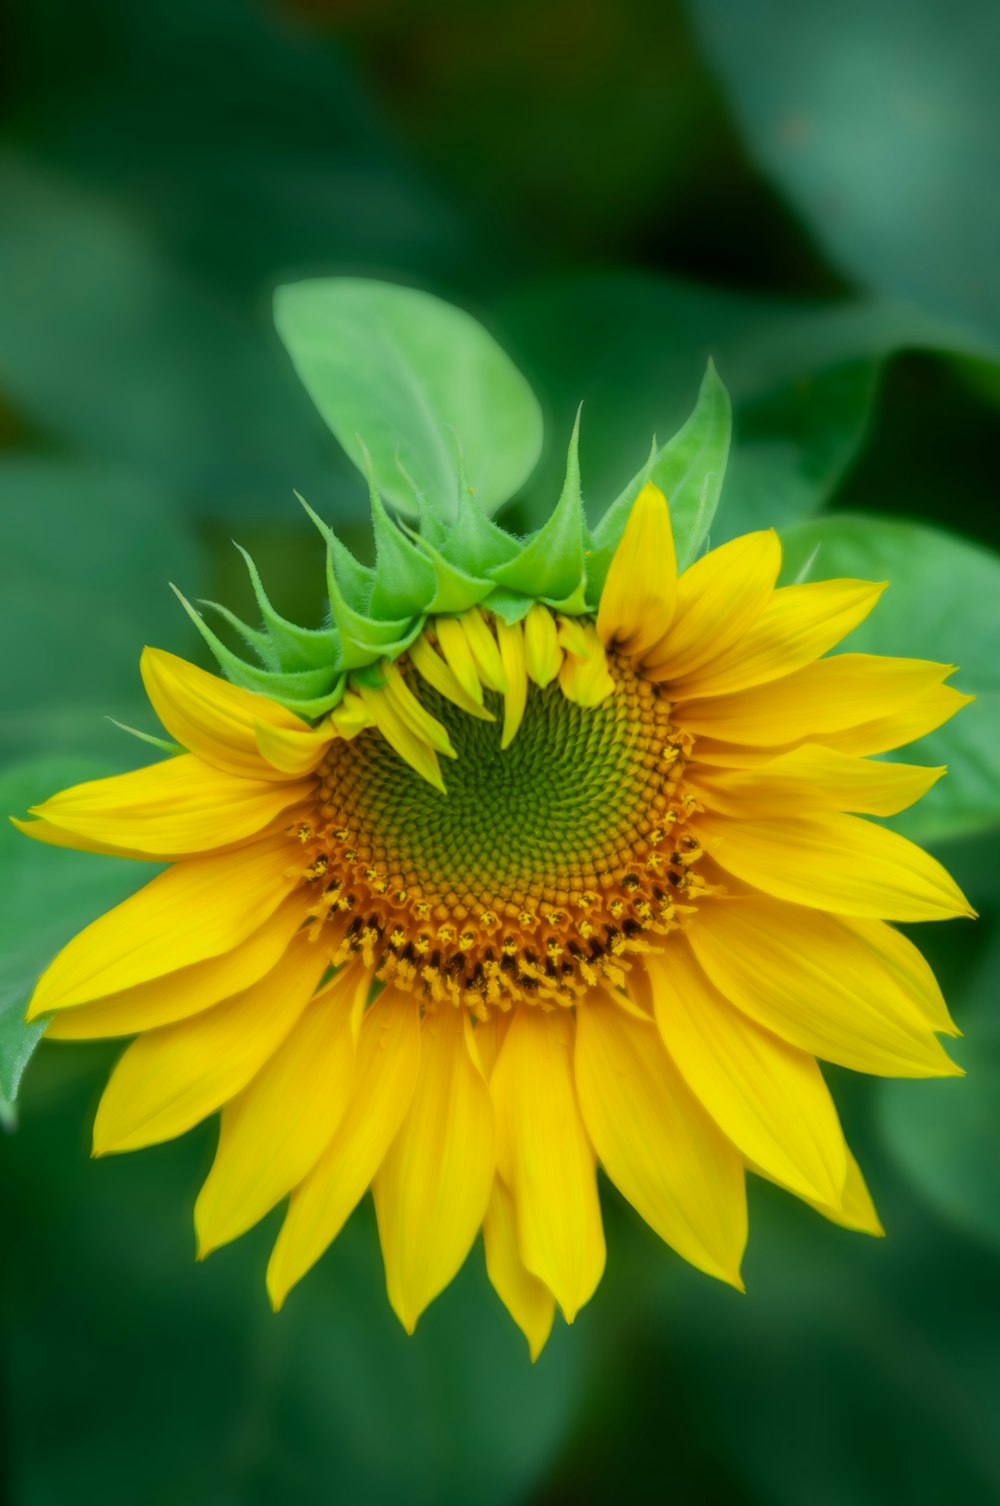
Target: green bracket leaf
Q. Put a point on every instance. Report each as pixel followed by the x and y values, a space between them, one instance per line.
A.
pixel 405 371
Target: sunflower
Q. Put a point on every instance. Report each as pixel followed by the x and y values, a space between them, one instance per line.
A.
pixel 520 890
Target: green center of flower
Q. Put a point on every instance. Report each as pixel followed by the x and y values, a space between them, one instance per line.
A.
pixel 541 862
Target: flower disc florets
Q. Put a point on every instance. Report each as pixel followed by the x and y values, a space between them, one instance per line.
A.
pixel 544 866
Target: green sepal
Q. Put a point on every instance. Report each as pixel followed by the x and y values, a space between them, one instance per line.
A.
pixel 291 646
pixel 454 589
pixel 550 567
pixel 162 743
pixel 256 640
pixel 297 685
pixel 689 469
pixel 404 577
pixel 473 543
pixel 372 676
pixel 509 606
pixel 354 578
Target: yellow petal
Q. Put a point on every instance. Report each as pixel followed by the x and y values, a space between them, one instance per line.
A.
pixel 909 968
pixel 210 717
pixel 812 779
pixel 169 809
pixel 767 1097
pixel 640 592
pixel 195 910
pixel 656 1142
pixel 294 750
pixel 170 1079
pixel 432 1188
pixel 584 676
pixel 484 650
pixel 854 1210
pixel 511 640
pixel 274 1132
pixel 400 736
pixel 385 1075
pixel 925 712
pixel 839 863
pixel 811 703
pixel 350 716
pixel 425 726
pixel 437 673
pixel 186 992
pixel 718 600
pixel 528 1300
pixel 798 625
pixel 542 653
pixel 545 1158
pixel 458 656
pixel 809 979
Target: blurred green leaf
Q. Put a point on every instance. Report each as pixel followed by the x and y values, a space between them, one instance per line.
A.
pixel 941 604
pixel 46 896
pixel 416 382
pixel 801 375
pixel 881 123
pixel 103 343
pixel 86 556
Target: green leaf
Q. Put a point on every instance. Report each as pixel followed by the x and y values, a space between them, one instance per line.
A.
pixel 881 123
pixel 689 469
pixel 801 376
pixel 941 605
pixel 46 895
pixel 403 373
pixel 550 567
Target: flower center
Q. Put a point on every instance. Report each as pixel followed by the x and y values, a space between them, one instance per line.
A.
pixel 537 872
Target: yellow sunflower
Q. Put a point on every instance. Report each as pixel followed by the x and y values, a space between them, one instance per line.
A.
pixel 534 896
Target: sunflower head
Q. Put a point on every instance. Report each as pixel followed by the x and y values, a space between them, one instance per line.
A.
pixel 540 854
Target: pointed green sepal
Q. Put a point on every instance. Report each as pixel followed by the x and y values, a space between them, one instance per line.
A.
pixel 689 469
pixel 354 578
pixel 292 647
pixel 509 606
pixel 256 640
pixel 299 685
pixel 404 577
pixel 162 743
pixel 550 566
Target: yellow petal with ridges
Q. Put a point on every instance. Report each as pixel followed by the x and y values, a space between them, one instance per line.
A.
pixel 458 656
pixel 399 734
pixel 178 995
pixel 834 862
pixel 385 1075
pixel 767 1097
pixel 656 1142
pixel 718 599
pixel 930 709
pixel 194 911
pixel 584 676
pixel 809 979
pixel 807 706
pixel 909 968
pixel 511 641
pixel 294 750
pixel 425 726
pixel 542 653
pixel 437 673
pixel 798 625
pixel 177 807
pixel 640 591
pixel 170 1079
pixel 273 1133
pixel 545 1158
pixel 210 717
pixel 528 1300
pixel 432 1189
pixel 484 650
pixel 812 779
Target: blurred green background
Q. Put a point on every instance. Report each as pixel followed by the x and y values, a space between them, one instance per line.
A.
pixel 809 192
